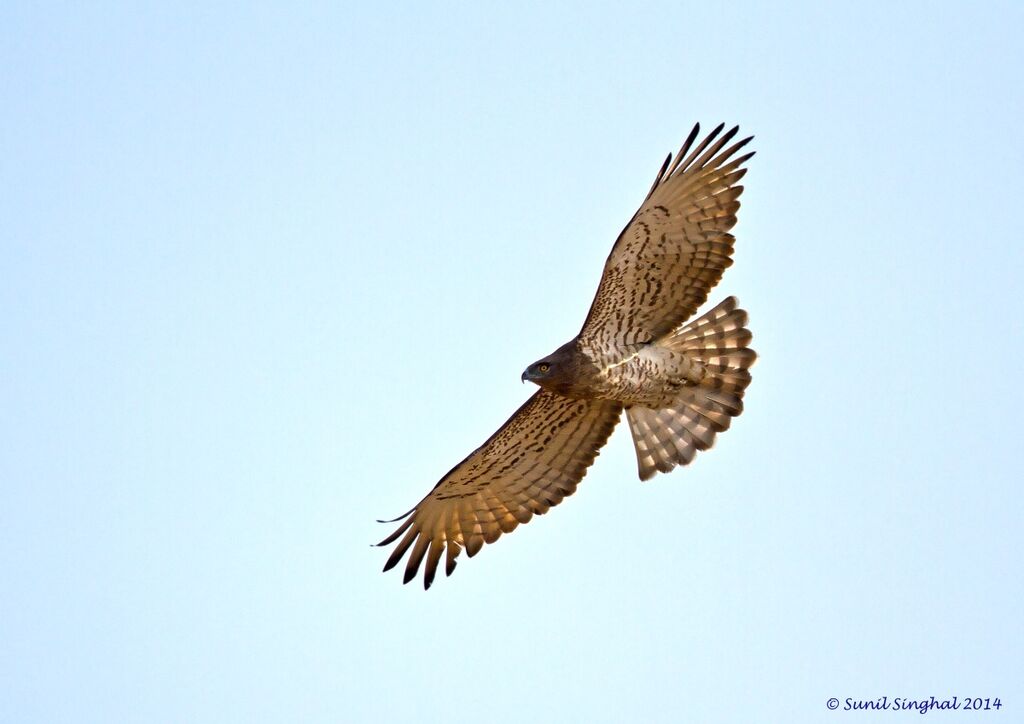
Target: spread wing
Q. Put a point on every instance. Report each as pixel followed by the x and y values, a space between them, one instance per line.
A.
pixel 674 249
pixel 531 463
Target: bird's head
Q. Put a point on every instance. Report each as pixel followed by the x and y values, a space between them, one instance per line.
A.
pixel 555 372
pixel 540 371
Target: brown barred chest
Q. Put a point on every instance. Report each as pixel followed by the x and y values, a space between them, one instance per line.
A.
pixel 652 377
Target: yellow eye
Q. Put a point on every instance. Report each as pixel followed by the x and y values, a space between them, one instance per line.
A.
pixel 544 367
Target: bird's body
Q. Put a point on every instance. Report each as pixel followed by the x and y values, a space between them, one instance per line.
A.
pixel 642 374
pixel 679 382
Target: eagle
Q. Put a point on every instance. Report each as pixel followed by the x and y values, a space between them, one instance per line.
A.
pixel 679 383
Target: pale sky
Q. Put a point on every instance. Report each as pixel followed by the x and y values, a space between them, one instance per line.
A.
pixel 270 272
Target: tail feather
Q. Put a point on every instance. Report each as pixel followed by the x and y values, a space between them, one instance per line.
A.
pixel 672 436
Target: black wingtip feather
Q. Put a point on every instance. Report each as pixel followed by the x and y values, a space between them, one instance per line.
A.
pixel 735 147
pixel 694 132
pixel 416 557
pixel 453 551
pixel 661 175
pixel 685 148
pixel 682 164
pixel 433 556
pixel 709 149
pixel 400 549
pixel 406 514
pixel 394 536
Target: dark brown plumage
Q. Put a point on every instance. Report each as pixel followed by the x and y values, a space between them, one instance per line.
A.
pixel 679 385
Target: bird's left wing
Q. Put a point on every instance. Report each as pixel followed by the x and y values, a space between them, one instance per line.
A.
pixel 675 247
pixel 529 465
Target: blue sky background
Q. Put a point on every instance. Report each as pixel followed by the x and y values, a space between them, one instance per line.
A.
pixel 269 272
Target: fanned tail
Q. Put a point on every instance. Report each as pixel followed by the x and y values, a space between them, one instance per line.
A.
pixel 671 436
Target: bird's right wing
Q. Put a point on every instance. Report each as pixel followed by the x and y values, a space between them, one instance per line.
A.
pixel 530 464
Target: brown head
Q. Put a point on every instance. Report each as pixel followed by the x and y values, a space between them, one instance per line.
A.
pixel 559 372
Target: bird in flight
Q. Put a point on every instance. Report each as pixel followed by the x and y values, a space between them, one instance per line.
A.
pixel 679 383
